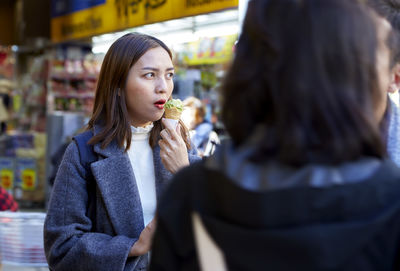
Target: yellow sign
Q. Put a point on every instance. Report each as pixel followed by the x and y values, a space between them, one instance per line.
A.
pixel 115 15
pixel 209 50
pixel 7 178
pixel 28 177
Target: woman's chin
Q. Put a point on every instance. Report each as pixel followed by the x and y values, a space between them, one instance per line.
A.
pixel 158 117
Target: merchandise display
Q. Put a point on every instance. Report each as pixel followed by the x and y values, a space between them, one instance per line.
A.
pixel 23 139
pixel 22 167
pixel 29 98
pixel 72 80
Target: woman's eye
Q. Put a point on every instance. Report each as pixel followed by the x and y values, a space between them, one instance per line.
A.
pixel 149 75
pixel 170 75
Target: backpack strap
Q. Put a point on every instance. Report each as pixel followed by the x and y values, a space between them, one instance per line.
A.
pixel 86 152
pixel 87 156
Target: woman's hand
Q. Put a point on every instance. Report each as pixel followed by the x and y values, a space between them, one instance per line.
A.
pixel 173 151
pixel 143 245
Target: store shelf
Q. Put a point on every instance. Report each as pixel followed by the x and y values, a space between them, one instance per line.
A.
pixel 72 81
pixel 73 77
pixel 78 95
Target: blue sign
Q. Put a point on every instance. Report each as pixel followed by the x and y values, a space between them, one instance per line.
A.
pixel 64 7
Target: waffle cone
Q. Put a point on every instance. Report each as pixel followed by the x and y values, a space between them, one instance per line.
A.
pixel 172 113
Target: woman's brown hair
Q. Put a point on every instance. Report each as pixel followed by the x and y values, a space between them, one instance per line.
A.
pixel 306 71
pixel 110 111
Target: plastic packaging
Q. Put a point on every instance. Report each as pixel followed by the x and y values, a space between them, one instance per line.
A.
pixel 21 239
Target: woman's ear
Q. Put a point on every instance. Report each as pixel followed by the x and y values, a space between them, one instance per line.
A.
pixel 395 79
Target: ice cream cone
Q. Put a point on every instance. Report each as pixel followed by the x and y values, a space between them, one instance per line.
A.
pixel 172 113
pixel 173 110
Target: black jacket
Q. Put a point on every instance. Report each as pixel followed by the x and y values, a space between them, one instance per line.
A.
pixel 342 227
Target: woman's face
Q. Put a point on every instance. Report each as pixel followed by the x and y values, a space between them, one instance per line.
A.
pixel 383 67
pixel 148 87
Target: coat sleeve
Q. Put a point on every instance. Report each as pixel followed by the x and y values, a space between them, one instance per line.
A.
pixel 68 241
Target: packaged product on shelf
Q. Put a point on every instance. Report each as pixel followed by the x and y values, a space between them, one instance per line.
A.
pixel 13 142
pixel 26 173
pixel 30 170
pixel 7 173
pixel 57 66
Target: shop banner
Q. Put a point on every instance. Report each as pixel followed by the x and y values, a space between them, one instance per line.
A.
pixel 75 19
pixel 209 50
pixel 64 7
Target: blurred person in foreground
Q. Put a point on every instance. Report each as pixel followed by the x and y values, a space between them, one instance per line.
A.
pixel 305 183
pixel 102 206
pixel 390 9
pixel 7 202
pixel 201 130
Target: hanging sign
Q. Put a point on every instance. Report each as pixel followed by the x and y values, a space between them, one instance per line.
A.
pixel 73 19
pixel 209 50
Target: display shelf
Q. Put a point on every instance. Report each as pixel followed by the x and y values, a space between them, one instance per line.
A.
pixel 72 80
pixel 73 77
pixel 78 95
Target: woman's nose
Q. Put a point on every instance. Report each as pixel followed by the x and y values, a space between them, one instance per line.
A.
pixel 161 85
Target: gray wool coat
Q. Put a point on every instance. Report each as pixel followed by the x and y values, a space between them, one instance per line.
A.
pixel 94 227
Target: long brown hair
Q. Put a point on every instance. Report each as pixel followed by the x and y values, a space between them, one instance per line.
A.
pixel 110 111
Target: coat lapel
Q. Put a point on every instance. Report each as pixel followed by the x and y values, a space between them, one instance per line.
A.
pixel 116 181
pixel 117 184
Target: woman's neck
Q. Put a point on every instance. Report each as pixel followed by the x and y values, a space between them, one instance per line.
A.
pixel 140 124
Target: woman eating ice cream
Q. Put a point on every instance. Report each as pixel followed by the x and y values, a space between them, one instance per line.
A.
pixel 101 211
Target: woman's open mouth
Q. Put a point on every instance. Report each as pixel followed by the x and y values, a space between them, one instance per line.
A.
pixel 160 104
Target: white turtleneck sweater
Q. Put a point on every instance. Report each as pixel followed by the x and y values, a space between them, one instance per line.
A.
pixel 141 157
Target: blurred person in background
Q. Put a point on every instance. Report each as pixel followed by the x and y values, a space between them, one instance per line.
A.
pixel 201 131
pixel 305 183
pixel 390 9
pixel 101 210
pixel 7 202
pixel 4 105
